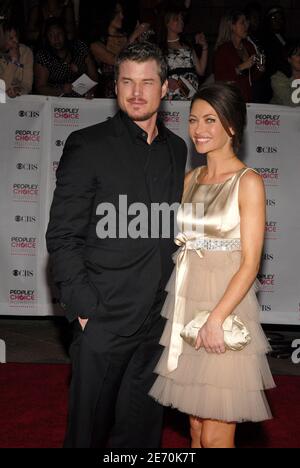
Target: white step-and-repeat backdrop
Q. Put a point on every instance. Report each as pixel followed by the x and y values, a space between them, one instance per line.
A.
pixel 32 135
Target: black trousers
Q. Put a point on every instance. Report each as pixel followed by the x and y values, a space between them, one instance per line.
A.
pixel 111 377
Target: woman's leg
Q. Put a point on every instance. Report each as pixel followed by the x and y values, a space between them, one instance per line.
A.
pixel 217 434
pixel 195 431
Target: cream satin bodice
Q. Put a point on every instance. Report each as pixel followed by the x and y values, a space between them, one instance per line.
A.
pixel 220 219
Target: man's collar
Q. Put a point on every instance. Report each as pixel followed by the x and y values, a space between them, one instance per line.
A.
pixel 137 132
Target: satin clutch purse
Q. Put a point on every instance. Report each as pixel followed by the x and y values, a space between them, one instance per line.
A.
pixel 236 335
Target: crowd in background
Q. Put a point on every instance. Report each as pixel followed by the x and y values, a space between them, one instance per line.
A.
pixel 59 43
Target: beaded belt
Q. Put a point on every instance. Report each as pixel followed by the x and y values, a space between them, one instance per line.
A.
pixel 213 244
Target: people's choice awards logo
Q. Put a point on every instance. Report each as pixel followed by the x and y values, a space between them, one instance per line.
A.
pixel 267 123
pixel 169 117
pixel 29 139
pixel 23 245
pixel 25 192
pixel 272 230
pixel 66 116
pixel 268 282
pixel 22 297
pixel 296 93
pixel 269 174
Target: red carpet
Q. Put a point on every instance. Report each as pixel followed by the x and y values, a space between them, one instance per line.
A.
pixel 33 406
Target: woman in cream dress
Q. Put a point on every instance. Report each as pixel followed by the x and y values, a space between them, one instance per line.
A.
pixel 216 268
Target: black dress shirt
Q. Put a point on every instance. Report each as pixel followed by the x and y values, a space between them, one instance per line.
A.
pixel 157 169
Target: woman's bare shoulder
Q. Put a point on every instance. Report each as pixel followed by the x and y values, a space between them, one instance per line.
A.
pixel 250 177
pixel 251 186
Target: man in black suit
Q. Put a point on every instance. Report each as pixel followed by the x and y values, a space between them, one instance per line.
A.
pixel 113 287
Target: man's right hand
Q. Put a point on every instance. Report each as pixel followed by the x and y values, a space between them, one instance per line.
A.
pixel 83 322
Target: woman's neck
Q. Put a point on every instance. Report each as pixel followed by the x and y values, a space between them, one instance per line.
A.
pixel 237 41
pixel 172 37
pixel 218 164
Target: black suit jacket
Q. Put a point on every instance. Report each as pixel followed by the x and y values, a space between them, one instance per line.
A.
pixel 111 280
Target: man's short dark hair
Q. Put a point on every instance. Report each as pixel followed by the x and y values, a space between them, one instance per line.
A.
pixel 141 52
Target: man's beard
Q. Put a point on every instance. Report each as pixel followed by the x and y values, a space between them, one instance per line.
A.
pixel 140 118
pixel 137 116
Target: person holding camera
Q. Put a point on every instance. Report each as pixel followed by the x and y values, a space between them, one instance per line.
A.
pixel 236 59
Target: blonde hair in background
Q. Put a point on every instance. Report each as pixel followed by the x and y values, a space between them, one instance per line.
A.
pixel 225 31
pixel 225 27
